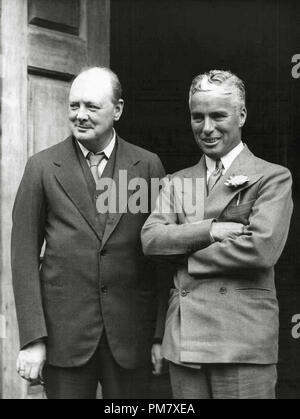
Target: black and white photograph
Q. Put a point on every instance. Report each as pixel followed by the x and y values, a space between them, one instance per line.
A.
pixel 150 202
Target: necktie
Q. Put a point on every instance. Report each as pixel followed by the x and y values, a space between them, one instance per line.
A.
pixel 95 160
pixel 215 176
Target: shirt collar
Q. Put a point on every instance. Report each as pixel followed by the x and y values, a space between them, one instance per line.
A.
pixel 226 160
pixel 107 151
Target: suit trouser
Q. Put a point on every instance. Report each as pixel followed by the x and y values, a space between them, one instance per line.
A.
pixel 224 381
pixel 82 382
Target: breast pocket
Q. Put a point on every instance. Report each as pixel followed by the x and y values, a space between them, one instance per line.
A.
pixel 239 212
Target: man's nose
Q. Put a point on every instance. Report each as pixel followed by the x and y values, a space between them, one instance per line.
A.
pixel 208 126
pixel 82 114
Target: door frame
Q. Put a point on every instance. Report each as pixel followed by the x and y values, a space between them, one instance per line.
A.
pixel 13 159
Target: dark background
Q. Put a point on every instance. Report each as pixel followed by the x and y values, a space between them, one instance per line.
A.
pixel 158 46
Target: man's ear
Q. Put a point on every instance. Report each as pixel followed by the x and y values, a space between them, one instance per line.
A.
pixel 119 109
pixel 243 116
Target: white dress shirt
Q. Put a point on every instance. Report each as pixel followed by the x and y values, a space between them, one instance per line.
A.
pixel 226 160
pixel 107 152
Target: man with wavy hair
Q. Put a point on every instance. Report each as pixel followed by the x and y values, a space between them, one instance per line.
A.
pixel 222 326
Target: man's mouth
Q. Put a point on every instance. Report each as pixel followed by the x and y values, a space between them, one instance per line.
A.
pixel 211 141
pixel 82 128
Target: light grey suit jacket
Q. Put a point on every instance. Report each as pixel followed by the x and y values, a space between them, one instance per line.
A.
pixel 224 307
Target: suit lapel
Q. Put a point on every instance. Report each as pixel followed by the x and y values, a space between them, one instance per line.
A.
pixel 197 172
pixel 188 195
pixel 222 195
pixel 69 174
pixel 125 171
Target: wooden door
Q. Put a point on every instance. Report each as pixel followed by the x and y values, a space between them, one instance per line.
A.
pixel 44 44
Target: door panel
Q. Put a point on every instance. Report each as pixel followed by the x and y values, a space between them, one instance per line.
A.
pixel 58 49
pixel 55 14
pixel 63 37
pixel 47 112
pixel 56 52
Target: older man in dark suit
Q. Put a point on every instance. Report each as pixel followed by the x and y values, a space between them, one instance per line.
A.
pixel 222 326
pixel 89 309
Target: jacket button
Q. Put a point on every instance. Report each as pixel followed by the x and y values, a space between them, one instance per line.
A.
pixel 104 290
pixel 103 252
pixel 223 291
pixel 184 293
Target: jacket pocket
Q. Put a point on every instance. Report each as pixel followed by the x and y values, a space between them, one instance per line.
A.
pixel 256 292
pixel 243 209
pixel 238 213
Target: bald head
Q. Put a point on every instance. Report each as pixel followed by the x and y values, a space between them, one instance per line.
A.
pixel 101 78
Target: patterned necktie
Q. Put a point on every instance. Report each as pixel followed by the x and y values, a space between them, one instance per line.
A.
pixel 95 160
pixel 215 176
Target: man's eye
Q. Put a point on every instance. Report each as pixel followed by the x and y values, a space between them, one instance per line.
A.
pixel 74 107
pixel 197 118
pixel 93 107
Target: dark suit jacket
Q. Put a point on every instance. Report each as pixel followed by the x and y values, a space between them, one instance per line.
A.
pixel 224 308
pixel 86 280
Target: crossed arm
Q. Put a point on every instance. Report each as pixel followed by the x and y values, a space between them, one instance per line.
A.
pixel 235 247
pixel 165 237
pixel 266 234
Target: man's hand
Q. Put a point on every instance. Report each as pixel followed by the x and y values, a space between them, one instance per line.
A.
pixel 31 361
pixel 157 359
pixel 227 230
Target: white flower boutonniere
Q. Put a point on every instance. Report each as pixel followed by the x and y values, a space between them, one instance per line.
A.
pixel 237 181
